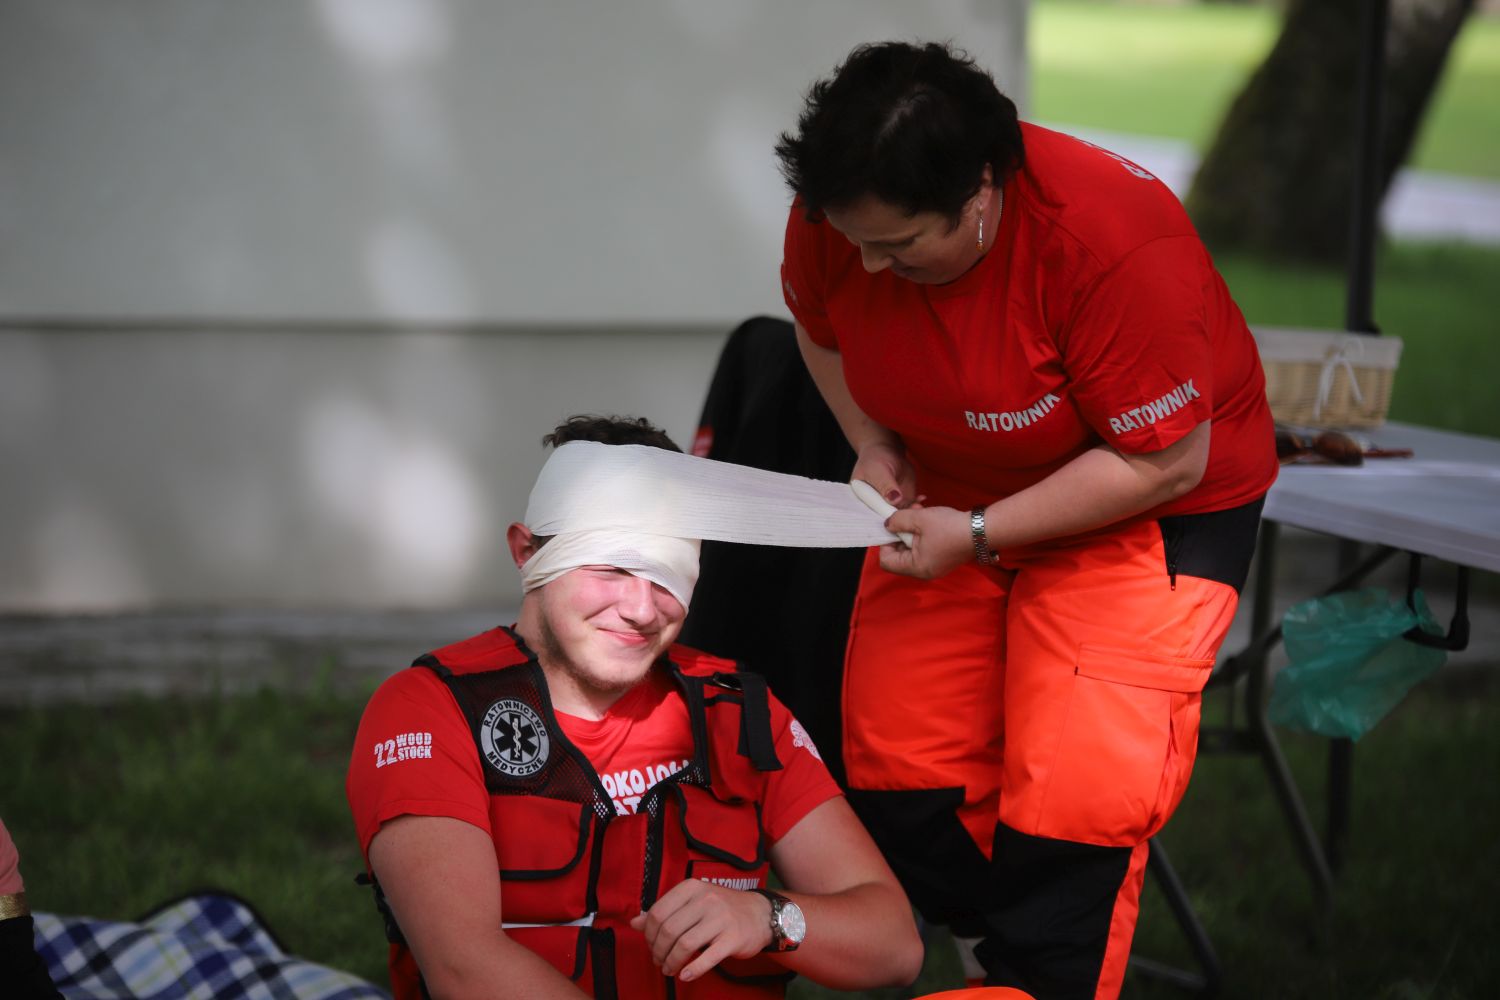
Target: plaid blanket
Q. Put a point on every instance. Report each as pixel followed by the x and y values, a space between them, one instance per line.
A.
pixel 207 946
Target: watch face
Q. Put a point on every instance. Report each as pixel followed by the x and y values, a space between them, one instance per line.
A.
pixel 793 923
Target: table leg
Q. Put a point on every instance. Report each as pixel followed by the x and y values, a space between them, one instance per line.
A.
pixel 1303 834
pixel 1253 663
pixel 1340 788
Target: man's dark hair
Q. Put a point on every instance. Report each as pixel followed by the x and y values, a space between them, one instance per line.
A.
pixel 609 430
pixel 605 430
pixel 913 125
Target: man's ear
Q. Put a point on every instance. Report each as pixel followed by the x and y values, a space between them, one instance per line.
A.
pixel 522 543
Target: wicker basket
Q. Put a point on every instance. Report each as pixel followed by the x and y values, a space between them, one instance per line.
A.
pixel 1322 378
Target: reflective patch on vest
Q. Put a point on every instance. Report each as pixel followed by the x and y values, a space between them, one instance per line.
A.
pixel 514 740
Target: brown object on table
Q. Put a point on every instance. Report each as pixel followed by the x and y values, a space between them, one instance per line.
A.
pixel 1340 449
pixel 1328 448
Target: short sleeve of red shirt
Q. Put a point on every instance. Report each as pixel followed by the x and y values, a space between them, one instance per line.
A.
pixel 1138 349
pixel 802 784
pixel 802 274
pixel 414 755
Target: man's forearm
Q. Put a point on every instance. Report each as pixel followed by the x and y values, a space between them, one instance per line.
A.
pixel 500 969
pixel 859 938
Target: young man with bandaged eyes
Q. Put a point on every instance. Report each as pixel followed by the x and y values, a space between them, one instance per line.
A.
pixel 576 806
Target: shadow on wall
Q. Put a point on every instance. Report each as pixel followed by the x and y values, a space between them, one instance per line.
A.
pixel 347 469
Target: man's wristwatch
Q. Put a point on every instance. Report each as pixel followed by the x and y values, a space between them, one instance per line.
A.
pixel 788 925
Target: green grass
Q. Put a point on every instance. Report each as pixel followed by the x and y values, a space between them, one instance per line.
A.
pixel 1441 300
pixel 1414 914
pixel 1171 70
pixel 1461 134
pixel 118 808
pixel 1149 69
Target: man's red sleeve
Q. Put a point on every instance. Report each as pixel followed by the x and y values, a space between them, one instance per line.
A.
pixel 414 755
pixel 802 784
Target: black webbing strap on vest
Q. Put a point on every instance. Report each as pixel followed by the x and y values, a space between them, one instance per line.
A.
pixel 602 957
pixel 392 929
pixel 756 741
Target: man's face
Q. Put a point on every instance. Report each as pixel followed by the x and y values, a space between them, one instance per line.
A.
pixel 601 628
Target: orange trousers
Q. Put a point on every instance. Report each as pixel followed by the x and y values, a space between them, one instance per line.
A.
pixel 1014 735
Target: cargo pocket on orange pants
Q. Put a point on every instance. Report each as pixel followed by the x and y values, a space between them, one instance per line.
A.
pixel 1127 746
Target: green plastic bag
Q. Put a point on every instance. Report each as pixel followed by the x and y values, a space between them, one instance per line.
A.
pixel 1349 664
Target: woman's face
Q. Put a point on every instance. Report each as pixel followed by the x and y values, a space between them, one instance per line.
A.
pixel 926 247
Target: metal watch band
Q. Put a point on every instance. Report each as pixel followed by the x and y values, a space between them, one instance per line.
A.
pixel 781 940
pixel 982 550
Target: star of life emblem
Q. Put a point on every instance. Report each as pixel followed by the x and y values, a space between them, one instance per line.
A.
pixel 514 740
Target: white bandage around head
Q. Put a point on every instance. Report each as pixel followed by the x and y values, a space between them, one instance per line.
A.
pixel 669 562
pixel 644 509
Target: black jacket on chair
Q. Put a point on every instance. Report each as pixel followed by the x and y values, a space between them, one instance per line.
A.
pixel 783 612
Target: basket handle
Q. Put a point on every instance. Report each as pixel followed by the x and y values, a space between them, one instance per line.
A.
pixel 1331 362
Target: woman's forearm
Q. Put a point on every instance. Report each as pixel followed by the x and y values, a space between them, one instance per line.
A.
pixel 827 369
pixel 1099 487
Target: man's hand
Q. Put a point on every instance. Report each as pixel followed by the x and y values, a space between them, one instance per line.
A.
pixel 941 542
pixel 697 925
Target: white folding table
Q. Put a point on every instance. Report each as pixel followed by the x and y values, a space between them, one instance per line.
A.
pixel 1443 502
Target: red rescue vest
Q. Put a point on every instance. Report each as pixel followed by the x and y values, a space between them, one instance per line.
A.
pixel 571 884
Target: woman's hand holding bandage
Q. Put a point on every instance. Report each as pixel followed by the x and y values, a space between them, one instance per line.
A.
pixel 883 465
pixel 941 542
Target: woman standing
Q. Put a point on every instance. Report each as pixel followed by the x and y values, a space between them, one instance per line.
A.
pixel 1033 356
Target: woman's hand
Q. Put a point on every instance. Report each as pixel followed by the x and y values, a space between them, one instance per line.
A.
pixel 696 925
pixel 941 542
pixel 884 466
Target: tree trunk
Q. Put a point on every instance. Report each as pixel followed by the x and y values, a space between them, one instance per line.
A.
pixel 1278 176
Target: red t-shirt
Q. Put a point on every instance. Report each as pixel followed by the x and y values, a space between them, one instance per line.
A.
pixel 414 755
pixel 1097 315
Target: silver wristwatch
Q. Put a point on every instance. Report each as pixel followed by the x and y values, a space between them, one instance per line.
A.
pixel 788 925
pixel 982 551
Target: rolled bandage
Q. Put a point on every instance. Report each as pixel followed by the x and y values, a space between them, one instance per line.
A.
pixel 644 509
pixel 873 500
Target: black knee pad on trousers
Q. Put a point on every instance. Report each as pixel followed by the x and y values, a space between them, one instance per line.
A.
pixel 1050 907
pixel 932 854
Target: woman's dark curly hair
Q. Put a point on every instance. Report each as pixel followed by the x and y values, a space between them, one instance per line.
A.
pixel 913 125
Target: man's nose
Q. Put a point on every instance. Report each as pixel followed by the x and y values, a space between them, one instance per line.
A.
pixel 874 260
pixel 637 600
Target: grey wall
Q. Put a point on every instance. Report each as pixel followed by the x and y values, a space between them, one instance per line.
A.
pixel 289 291
pixel 331 469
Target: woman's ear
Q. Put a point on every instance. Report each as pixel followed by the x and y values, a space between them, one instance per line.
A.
pixel 522 543
pixel 986 188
